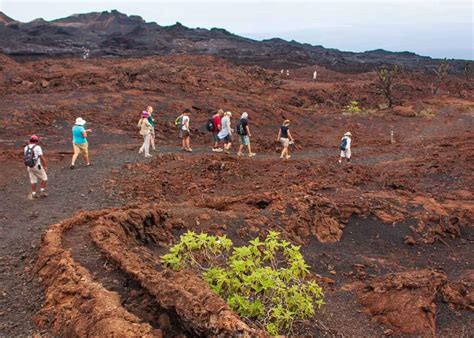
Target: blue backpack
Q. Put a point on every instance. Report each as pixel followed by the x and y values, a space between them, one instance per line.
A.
pixel 343 143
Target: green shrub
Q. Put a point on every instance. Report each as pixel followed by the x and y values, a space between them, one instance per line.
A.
pixel 352 108
pixel 266 281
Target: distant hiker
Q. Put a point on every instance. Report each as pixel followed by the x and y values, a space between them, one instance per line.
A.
pixel 145 131
pixel 185 131
pixel 244 132
pixel 285 138
pixel 315 75
pixel 79 141
pixel 287 72
pixel 226 132
pixel 216 128
pixel 36 166
pixel 149 109
pixel 282 71
pixel 345 147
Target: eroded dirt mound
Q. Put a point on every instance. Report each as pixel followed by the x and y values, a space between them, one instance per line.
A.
pixel 76 305
pixel 460 294
pixel 405 300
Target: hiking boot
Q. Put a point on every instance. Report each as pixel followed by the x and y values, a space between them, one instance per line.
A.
pixel 43 194
pixel 32 196
pixel 189 150
pixel 252 154
pixel 239 154
pixel 148 155
pixel 71 166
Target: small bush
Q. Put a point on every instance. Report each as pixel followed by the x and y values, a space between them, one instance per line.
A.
pixel 265 281
pixel 352 109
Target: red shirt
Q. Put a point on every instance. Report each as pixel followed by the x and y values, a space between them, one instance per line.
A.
pixel 216 119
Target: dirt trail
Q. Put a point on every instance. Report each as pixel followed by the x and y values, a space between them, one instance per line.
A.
pixel 23 221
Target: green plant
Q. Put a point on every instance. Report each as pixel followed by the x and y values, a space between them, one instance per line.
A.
pixel 440 71
pixel 352 108
pixel 266 281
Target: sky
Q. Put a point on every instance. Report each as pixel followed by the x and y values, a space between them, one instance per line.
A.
pixel 439 29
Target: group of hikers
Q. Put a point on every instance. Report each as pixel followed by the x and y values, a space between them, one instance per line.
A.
pixel 219 124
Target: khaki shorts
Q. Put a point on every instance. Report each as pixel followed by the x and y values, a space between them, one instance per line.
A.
pixel 37 173
pixel 81 148
pixel 285 142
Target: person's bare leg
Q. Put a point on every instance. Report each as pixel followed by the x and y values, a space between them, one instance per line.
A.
pixel 249 148
pixel 43 185
pixel 33 188
pixel 86 157
pixel 184 143
pixel 74 157
pixel 240 149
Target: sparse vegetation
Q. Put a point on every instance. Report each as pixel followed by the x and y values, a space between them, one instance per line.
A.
pixel 441 71
pixel 266 281
pixel 386 79
pixel 352 109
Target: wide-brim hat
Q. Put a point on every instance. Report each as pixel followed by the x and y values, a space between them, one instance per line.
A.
pixel 228 113
pixel 80 121
pixel 348 134
pixel 145 114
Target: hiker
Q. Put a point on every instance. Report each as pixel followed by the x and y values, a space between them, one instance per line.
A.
pixel 285 138
pixel 149 109
pixel 185 131
pixel 315 75
pixel 216 128
pixel 244 131
pixel 345 147
pixel 225 134
pixel 36 166
pixel 287 72
pixel 79 141
pixel 145 131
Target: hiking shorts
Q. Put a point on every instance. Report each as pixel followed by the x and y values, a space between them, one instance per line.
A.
pixel 183 133
pixel 227 139
pixel 285 142
pixel 37 173
pixel 346 153
pixel 81 148
pixel 245 140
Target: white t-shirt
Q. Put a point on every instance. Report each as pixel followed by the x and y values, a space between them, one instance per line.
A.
pixel 37 152
pixel 183 122
pixel 225 127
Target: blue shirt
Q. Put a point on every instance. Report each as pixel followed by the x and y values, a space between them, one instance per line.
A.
pixel 77 137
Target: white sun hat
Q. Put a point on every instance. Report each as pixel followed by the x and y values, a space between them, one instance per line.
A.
pixel 80 121
pixel 348 134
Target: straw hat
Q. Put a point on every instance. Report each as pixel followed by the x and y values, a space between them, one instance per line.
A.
pixel 348 134
pixel 80 121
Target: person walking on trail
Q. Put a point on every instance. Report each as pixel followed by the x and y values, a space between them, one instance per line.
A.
pixel 345 147
pixel 225 134
pixel 145 131
pixel 185 131
pixel 79 142
pixel 36 166
pixel 285 138
pixel 244 131
pixel 216 128
pixel 149 110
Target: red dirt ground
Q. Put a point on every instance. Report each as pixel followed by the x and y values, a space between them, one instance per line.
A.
pixel 389 236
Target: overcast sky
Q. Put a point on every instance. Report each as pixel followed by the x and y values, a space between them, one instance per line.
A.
pixel 440 28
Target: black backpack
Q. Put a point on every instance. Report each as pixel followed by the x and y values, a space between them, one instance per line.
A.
pixel 210 124
pixel 240 128
pixel 343 143
pixel 29 157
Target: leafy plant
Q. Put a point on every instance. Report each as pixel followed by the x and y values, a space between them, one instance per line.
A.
pixel 352 109
pixel 266 281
